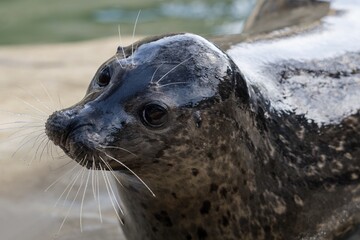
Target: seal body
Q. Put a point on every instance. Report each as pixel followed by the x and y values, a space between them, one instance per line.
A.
pixel 236 145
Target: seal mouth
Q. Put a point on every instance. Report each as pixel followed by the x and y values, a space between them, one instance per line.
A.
pixel 88 152
pixel 66 139
pixel 78 147
pixel 97 160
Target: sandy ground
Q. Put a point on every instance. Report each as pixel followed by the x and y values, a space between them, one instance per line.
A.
pixel 36 80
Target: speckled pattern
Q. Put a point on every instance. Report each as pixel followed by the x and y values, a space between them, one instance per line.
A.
pixel 224 164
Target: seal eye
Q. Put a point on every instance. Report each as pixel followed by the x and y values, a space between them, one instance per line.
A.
pixel 154 115
pixel 104 77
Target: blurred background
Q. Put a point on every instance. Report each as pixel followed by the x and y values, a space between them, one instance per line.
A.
pixel 44 21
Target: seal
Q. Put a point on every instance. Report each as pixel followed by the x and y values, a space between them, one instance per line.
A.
pixel 235 145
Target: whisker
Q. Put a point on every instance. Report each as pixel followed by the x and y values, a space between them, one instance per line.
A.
pixel 63 156
pixel 24 131
pixel 40 137
pixel 173 69
pixel 51 151
pixel 35 97
pixel 16 122
pixel 120 148
pixel 111 170
pixel 35 108
pixel 48 149
pixel 93 178
pixel 71 183
pixel 69 161
pixel 70 186
pixel 152 77
pixel 61 177
pixel 168 84
pixel 59 100
pixel 98 195
pixel 133 35
pixel 82 200
pixel 24 137
pixel 117 203
pixel 89 94
pixel 120 40
pixel 37 149
pixel 72 203
pixel 14 135
pixel 48 95
pixel 118 60
pixel 46 146
pixel 111 200
pixel 25 143
pixel 24 124
pixel 122 164
pixel 42 118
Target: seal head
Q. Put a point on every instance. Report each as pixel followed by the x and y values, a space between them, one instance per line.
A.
pixel 141 96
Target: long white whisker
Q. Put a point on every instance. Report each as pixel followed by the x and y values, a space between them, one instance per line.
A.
pixel 61 177
pixel 69 161
pixel 36 98
pixel 48 95
pixel 41 119
pixel 25 143
pixel 52 146
pixel 98 194
pixel 152 77
pixel 133 35
pixel 46 147
pixel 24 128
pixel 41 137
pixel 173 69
pixel 69 186
pixel 35 108
pixel 19 122
pixel 122 164
pixel 112 191
pixel 82 200
pixel 118 60
pixel 26 137
pixel 168 84
pixel 120 40
pixel 89 94
pixel 111 170
pixel 59 100
pixel 111 200
pixel 38 148
pixel 72 203
pixel 93 178
pixel 28 134
pixel 120 148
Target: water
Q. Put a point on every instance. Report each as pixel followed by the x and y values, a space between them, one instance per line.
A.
pixel 226 17
pixel 43 21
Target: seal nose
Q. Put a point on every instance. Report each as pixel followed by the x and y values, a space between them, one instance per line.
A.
pixel 55 127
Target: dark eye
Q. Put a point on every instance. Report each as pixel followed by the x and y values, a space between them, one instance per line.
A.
pixel 154 115
pixel 104 77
